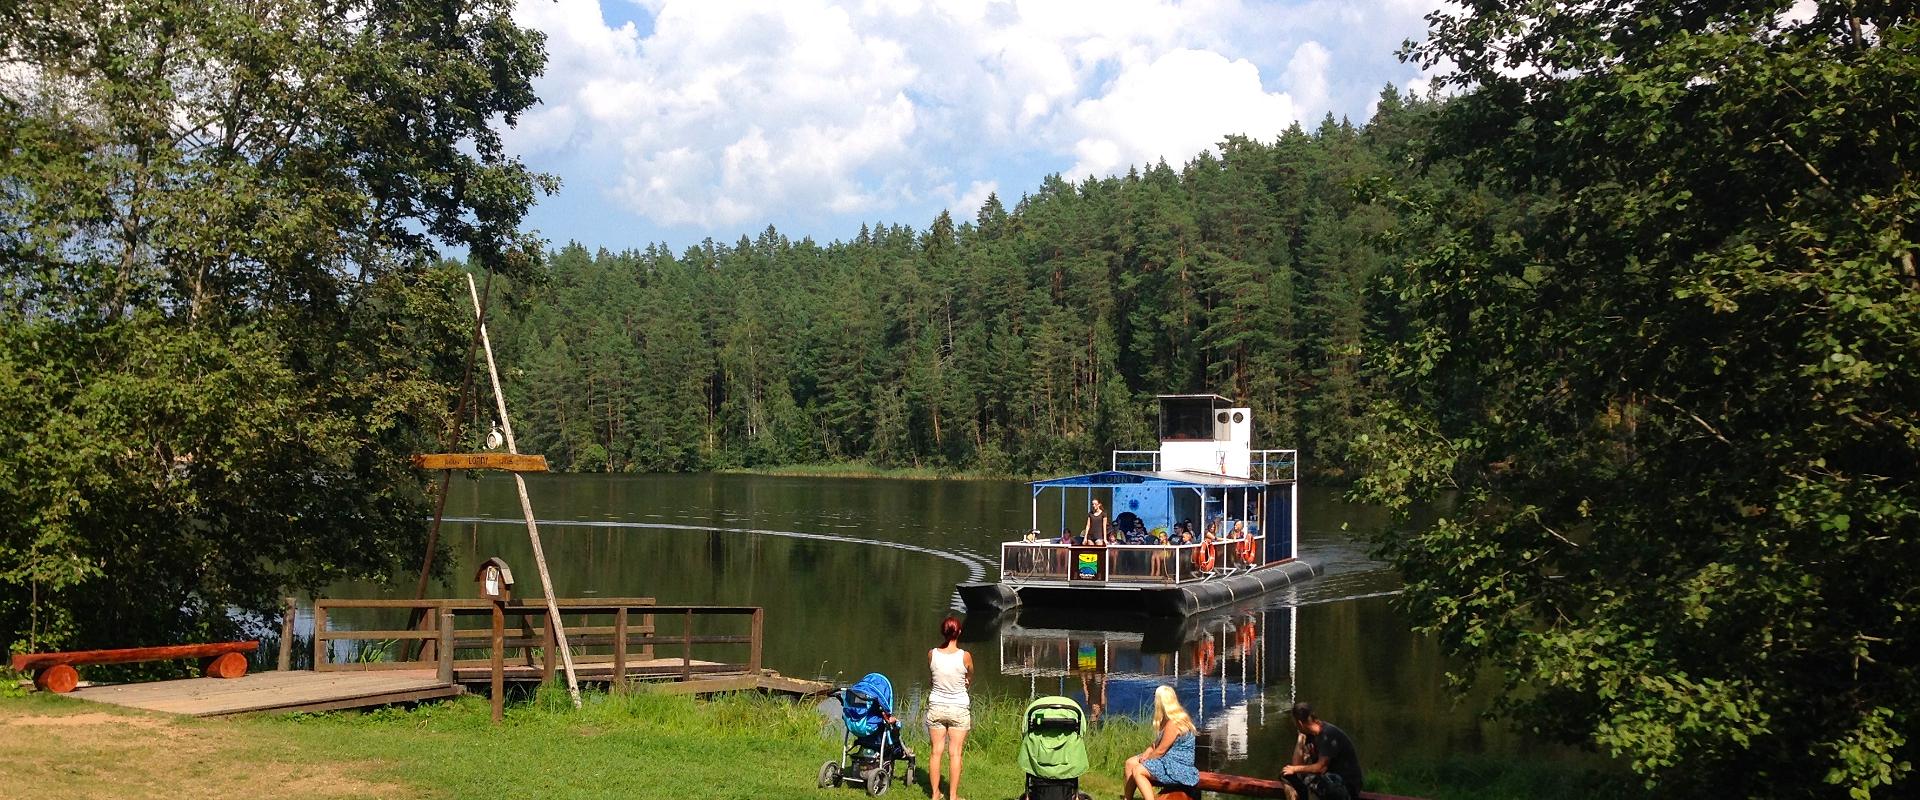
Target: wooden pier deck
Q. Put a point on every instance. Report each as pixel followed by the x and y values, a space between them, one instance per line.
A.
pixel 275 692
pixel 304 690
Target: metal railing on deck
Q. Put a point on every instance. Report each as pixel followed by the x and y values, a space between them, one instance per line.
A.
pixel 1271 465
pixel 1136 460
pixel 1125 564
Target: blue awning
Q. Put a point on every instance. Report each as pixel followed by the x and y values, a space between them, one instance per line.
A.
pixel 1172 480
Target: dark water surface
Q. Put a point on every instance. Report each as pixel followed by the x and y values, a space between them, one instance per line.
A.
pixel 856 575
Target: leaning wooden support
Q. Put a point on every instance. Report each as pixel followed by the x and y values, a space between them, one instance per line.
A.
pixel 526 502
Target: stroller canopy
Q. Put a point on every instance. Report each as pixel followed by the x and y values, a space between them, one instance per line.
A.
pixel 864 703
pixel 876 687
pixel 1051 746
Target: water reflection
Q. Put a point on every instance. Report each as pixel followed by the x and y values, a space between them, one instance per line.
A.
pixel 1231 670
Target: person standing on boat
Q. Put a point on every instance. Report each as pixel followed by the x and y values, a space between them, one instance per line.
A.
pixel 1169 762
pixel 1325 764
pixel 1094 534
pixel 948 715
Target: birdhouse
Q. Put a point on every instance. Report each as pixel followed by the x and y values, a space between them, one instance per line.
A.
pixel 495 579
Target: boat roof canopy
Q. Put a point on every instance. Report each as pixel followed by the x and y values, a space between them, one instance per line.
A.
pixel 1192 397
pixel 1169 479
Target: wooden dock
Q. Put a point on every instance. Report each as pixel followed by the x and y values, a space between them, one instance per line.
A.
pixel 304 690
pixel 423 659
pixel 275 692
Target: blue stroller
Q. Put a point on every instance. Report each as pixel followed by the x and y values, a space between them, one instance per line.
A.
pixel 871 753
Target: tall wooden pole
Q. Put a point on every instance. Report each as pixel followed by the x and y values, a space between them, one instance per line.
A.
pixel 526 508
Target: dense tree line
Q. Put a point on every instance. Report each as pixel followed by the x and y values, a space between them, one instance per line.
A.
pixel 1026 339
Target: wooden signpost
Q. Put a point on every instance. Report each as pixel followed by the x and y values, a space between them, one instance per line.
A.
pixel 509 462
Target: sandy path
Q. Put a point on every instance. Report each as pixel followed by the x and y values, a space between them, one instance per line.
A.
pixel 74 750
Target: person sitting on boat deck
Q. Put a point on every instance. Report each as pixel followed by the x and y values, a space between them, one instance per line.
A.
pixel 1325 764
pixel 1183 532
pixel 1094 533
pixel 1243 544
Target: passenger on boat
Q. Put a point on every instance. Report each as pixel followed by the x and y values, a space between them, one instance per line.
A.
pixel 1094 533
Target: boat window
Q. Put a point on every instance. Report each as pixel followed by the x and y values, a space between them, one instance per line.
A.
pixel 1187 418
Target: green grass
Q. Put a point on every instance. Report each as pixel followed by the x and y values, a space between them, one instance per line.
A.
pixel 642 745
pixel 635 745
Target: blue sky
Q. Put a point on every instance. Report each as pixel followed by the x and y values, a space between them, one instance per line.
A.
pixel 677 120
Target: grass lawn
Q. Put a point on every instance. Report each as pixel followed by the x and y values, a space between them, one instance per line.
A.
pixel 637 745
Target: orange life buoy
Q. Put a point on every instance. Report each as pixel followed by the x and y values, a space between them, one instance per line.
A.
pixel 1246 550
pixel 1203 558
pixel 1203 655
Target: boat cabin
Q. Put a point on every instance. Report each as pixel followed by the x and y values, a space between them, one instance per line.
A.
pixel 1205 505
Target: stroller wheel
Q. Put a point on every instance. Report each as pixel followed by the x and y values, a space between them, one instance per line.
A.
pixel 878 782
pixel 829 774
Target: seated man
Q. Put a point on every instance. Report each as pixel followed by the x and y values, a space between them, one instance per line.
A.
pixel 1325 765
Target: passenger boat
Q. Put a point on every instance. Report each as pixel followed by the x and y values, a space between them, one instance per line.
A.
pixel 1243 504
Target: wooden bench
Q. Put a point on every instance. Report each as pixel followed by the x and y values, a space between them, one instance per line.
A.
pixel 1250 787
pixel 54 672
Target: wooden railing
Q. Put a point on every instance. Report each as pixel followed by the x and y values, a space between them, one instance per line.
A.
pixel 633 636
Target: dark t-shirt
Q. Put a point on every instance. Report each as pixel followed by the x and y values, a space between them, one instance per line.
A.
pixel 1333 743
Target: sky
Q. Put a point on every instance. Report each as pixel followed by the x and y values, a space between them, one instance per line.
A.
pixel 673 121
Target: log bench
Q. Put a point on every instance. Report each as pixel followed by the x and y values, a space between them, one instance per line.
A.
pixel 54 672
pixel 1249 787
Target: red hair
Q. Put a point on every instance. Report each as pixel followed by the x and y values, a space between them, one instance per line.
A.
pixel 950 628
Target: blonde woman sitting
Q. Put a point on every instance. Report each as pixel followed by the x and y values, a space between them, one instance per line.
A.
pixel 1169 762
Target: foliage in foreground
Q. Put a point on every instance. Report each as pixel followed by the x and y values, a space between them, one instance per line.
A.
pixel 1669 356
pixel 222 327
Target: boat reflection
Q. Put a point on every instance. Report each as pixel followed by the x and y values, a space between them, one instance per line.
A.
pixel 1231 670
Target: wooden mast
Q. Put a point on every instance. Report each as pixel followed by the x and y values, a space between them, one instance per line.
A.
pixel 526 507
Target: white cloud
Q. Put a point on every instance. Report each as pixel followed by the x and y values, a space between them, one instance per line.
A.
pixel 726 114
pixel 1173 108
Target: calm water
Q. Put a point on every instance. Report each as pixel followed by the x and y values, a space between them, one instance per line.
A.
pixel 856 575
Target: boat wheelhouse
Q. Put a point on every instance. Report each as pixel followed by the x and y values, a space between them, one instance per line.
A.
pixel 1203 520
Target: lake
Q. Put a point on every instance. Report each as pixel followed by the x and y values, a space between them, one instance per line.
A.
pixel 856 575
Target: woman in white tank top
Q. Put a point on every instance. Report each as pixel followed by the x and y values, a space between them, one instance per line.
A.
pixel 948 717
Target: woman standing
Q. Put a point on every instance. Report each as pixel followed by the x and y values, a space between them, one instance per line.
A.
pixel 948 717
pixel 1094 533
pixel 1169 762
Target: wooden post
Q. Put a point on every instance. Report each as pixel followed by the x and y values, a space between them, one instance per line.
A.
pixel 446 646
pixel 753 651
pixel 319 636
pixel 286 635
pixel 619 650
pixel 526 503
pixel 686 659
pixel 646 650
pixel 499 665
pixel 546 648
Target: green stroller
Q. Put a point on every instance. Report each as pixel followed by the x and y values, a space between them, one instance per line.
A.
pixel 1052 750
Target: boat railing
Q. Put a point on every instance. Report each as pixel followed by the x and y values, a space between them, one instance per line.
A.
pixel 1122 564
pixel 1276 465
pixel 1137 460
